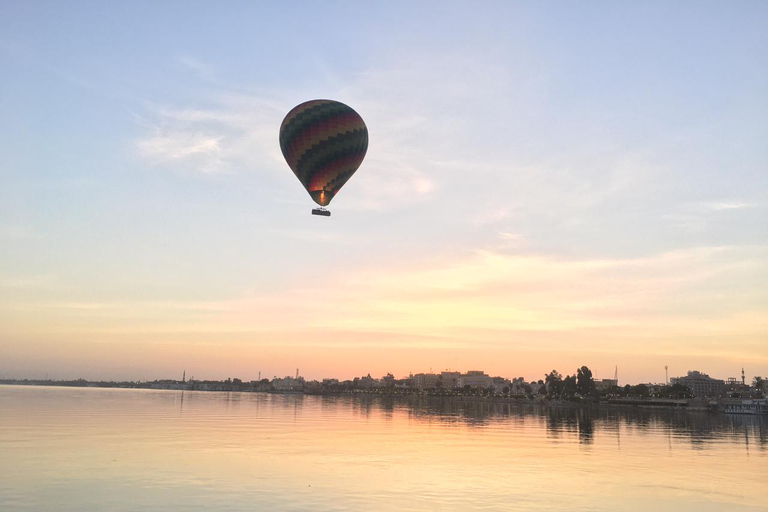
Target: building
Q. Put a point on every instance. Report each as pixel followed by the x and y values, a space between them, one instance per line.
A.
pixel 606 384
pixel 313 387
pixel 474 379
pixel 367 382
pixel 736 386
pixel 500 384
pixel 426 380
pixel 700 384
pixel 288 384
pixel 450 379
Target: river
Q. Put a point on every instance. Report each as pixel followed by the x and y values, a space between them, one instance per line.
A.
pixel 89 449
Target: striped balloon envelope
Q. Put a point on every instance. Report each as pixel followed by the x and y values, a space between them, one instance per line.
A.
pixel 324 142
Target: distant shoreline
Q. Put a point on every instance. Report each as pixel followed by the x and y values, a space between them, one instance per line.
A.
pixel 693 405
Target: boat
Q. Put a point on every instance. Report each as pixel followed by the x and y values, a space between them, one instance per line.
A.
pixel 745 406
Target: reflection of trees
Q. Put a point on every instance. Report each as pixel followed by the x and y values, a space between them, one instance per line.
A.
pixel 586 428
pixel 698 427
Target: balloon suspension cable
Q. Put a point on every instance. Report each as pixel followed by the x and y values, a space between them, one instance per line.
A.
pixel 321 211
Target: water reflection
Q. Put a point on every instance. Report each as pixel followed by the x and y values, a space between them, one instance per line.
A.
pixel 700 428
pixel 126 450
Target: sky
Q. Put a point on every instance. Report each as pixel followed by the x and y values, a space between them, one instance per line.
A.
pixel 547 185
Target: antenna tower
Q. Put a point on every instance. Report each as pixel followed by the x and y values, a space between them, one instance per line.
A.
pixel 616 375
pixel 297 373
pixel 743 377
pixel 666 372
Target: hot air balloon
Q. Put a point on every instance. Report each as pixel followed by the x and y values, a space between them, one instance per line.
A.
pixel 324 142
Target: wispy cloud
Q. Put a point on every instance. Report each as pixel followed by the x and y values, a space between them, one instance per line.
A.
pixel 236 134
pixel 200 151
pixel 511 237
pixel 699 291
pixel 436 141
pixel 202 69
pixel 729 205
pixel 492 215
pixel 241 133
pixel 440 140
pixel 695 217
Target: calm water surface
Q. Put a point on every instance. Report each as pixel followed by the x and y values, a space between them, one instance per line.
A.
pixel 68 449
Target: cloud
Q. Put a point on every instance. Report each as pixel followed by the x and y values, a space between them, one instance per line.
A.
pixel 489 143
pixel 510 237
pixel 420 142
pixel 236 133
pixel 726 205
pixel 240 132
pixel 492 298
pixel 480 309
pixel 706 291
pixel 198 150
pixel 384 183
pixel 203 70
pixel 696 217
pixel 492 215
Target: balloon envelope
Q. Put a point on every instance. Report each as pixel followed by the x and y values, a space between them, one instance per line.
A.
pixel 324 142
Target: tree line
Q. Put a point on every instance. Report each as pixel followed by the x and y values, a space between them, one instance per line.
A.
pixel 582 385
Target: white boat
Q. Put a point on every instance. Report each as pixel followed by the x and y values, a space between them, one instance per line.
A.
pixel 746 406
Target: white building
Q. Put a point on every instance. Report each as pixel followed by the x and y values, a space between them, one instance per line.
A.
pixel 450 379
pixel 475 379
pixel 700 384
pixel 288 384
pixel 426 380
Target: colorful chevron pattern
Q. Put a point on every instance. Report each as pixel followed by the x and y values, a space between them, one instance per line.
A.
pixel 324 142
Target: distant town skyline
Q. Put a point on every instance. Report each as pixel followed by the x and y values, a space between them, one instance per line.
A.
pixel 547 185
pixel 258 375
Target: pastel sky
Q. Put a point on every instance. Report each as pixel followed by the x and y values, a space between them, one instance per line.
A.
pixel 548 185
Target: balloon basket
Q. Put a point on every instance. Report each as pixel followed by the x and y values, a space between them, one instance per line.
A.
pixel 321 211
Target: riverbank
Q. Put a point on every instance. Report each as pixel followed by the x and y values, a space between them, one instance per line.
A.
pixel 727 406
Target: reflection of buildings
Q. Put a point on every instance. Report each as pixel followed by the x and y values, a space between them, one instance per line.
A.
pixel 700 384
pixel 700 428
